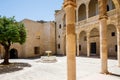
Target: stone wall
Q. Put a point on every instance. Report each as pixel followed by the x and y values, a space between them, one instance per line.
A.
pixel 40 38
pixel 88 28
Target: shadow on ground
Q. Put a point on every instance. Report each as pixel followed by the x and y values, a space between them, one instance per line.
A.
pixel 117 75
pixel 12 67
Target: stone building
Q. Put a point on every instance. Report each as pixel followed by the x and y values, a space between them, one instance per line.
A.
pixel 40 38
pixel 87 28
pixel 43 36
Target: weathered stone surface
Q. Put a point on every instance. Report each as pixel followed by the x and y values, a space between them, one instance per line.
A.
pixel 48 59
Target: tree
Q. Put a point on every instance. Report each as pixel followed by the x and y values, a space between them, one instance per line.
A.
pixel 11 32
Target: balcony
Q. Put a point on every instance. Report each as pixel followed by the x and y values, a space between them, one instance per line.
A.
pixel 94 19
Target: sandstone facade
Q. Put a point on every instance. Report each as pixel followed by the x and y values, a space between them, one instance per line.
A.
pixel 40 38
pixel 87 28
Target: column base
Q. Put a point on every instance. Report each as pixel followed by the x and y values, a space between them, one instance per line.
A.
pixel 78 55
pixel 88 55
pixel 118 65
pixel 106 73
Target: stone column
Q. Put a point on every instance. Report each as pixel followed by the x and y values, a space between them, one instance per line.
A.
pixel 118 37
pixel 87 10
pixel 103 35
pixel 88 44
pixel 77 21
pixel 78 44
pixel 69 7
pixel 118 47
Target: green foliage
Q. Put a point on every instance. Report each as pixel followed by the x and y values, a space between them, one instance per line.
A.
pixel 11 31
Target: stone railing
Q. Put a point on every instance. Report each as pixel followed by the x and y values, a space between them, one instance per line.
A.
pixel 82 22
pixel 90 20
pixel 95 19
pixel 111 13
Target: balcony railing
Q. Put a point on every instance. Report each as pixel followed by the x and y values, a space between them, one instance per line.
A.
pixel 95 19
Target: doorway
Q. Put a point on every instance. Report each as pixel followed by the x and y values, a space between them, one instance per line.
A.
pixel 13 54
pixel 93 48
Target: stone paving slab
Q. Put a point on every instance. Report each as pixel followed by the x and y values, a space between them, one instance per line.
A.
pixel 87 69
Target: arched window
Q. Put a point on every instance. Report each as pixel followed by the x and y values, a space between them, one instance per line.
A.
pixel 110 5
pixel 59 26
pixel 82 12
pixel 108 8
pixel 93 8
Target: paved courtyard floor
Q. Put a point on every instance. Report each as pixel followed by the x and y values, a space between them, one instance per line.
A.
pixel 87 69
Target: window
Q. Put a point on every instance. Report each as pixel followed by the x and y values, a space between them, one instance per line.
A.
pixel 79 47
pixel 108 8
pixel 60 26
pixel 85 38
pixel 59 36
pixel 58 46
pixel 116 48
pixel 113 34
pixel 36 50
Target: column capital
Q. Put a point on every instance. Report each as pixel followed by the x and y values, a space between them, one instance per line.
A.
pixel 102 9
pixel 88 33
pixel 103 17
pixel 69 2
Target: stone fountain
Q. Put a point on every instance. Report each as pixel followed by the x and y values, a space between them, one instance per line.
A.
pixel 48 58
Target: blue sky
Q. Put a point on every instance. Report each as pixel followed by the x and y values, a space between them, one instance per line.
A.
pixel 30 9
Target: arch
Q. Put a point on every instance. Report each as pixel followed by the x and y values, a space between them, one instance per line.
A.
pixel 83 43
pixel 13 53
pixel 82 12
pixel 94 32
pixel 110 5
pixel 116 3
pixel 94 42
pixel 112 40
pixel 93 8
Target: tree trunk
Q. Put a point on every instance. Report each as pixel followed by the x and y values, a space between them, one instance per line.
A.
pixel 6 56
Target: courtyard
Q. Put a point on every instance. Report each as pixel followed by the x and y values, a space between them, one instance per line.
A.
pixel 87 69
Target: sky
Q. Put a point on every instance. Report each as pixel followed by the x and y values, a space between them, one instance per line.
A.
pixel 30 9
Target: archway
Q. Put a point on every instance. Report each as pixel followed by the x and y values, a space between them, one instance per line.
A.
pixel 94 42
pixel 13 53
pixel 112 41
pixel 93 8
pixel 110 5
pixel 116 3
pixel 83 43
pixel 82 12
